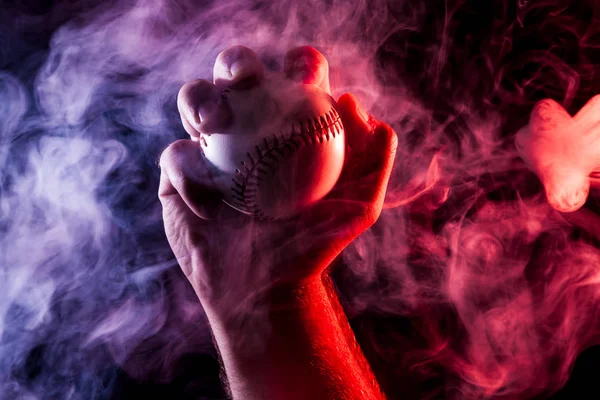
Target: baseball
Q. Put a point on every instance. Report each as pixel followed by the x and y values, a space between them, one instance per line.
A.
pixel 273 141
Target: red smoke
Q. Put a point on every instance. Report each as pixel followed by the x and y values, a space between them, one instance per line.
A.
pixel 498 290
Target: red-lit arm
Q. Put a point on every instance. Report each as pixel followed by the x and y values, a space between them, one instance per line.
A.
pixel 309 350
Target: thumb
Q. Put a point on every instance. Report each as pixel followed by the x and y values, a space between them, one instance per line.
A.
pixel 357 123
pixel 372 150
pixel 185 183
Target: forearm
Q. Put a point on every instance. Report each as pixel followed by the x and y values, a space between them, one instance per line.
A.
pixel 308 349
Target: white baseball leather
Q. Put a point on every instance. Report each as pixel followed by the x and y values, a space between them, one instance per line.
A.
pixel 563 151
pixel 274 144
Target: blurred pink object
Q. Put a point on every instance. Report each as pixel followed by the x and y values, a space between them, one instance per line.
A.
pixel 563 151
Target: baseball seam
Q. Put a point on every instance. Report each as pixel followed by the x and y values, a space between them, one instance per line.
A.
pixel 265 157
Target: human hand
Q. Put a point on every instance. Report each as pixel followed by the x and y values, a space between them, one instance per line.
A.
pixel 230 257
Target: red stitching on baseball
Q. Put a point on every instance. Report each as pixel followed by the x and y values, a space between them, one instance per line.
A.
pixel 313 131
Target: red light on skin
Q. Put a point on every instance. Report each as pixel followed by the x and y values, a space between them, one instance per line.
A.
pixel 563 151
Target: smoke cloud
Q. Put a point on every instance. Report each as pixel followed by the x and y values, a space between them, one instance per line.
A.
pixel 469 286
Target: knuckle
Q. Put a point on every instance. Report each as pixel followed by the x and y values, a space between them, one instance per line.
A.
pixel 194 93
pixel 169 155
pixel 386 132
pixel 387 141
pixel 184 97
pixel 370 215
pixel 178 146
pixel 171 159
pixel 184 93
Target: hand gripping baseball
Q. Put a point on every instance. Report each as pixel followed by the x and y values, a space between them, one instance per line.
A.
pixel 219 248
pixel 276 321
pixel 563 151
pixel 273 145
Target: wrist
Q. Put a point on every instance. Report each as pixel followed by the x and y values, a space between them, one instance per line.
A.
pixel 246 327
pixel 262 302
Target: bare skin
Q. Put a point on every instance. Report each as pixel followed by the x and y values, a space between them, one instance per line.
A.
pixel 275 317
